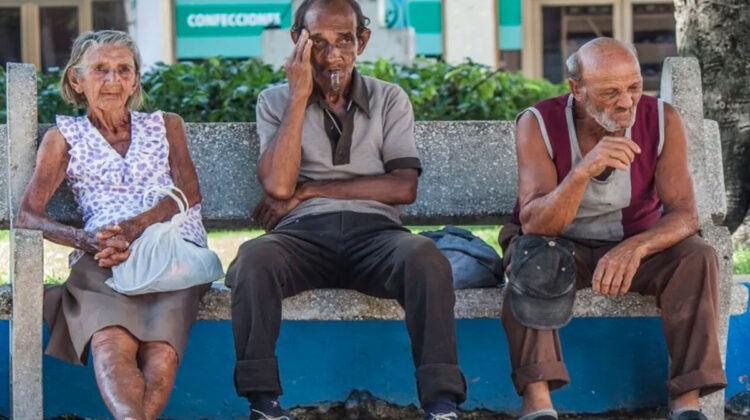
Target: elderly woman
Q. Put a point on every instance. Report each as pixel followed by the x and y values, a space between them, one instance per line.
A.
pixel 110 158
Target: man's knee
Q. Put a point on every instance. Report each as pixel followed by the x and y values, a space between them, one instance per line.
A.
pixel 263 252
pixel 699 260
pixel 692 276
pixel 425 266
pixel 255 267
pixel 692 248
pixel 422 253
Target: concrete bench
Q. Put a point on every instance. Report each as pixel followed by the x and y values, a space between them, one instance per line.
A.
pixel 470 177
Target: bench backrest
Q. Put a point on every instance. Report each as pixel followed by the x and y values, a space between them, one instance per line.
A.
pixel 469 173
pixel 470 167
pixel 469 178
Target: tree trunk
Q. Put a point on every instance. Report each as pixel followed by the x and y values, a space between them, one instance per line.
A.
pixel 717 32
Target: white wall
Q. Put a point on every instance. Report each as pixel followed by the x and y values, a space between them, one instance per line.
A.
pixel 153 29
pixel 470 30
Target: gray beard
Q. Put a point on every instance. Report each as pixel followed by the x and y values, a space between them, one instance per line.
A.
pixel 606 123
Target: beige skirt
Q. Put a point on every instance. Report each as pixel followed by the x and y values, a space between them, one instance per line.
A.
pixel 83 305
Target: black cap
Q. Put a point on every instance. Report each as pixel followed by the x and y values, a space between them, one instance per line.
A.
pixel 543 281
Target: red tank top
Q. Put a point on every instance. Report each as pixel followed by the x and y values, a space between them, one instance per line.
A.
pixel 627 202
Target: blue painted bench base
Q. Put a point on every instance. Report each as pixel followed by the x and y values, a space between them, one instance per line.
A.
pixel 325 360
pixel 615 363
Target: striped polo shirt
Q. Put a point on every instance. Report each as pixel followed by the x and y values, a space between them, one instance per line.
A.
pixel 376 137
pixel 626 202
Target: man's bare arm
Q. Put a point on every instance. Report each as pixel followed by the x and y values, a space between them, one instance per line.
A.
pixel 396 187
pixel 675 189
pixel 615 270
pixel 278 167
pixel 548 208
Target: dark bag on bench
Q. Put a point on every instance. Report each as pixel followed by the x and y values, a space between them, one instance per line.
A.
pixel 474 263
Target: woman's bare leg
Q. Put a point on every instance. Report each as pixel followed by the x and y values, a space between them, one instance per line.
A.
pixel 158 361
pixel 120 381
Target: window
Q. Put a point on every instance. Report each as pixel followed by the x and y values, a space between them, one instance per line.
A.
pixel 41 32
pixel 58 27
pixel 109 14
pixel 567 28
pixel 553 29
pixel 10 33
pixel 654 39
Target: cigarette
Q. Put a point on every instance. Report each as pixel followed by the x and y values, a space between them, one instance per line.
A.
pixel 335 83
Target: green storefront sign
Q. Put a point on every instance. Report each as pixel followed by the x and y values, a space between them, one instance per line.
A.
pixel 425 16
pixel 228 28
pixel 509 12
pixel 232 28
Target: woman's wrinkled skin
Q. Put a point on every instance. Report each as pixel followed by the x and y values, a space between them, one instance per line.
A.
pixel 135 378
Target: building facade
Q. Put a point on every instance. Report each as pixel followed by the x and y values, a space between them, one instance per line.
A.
pixel 552 29
pixel 41 31
pixel 534 36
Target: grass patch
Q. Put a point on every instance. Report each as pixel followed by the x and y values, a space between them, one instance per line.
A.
pixel 741 260
pixel 54 278
pixel 226 243
pixel 244 234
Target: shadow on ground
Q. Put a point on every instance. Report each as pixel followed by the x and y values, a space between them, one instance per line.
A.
pixel 361 405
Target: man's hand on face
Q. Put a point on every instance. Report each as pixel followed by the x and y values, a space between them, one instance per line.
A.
pixel 615 270
pixel 269 211
pixel 299 69
pixel 610 152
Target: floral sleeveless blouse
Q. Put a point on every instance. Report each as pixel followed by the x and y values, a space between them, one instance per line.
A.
pixel 110 188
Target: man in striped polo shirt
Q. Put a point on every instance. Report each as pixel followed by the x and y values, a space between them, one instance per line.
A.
pixel 338 158
pixel 606 201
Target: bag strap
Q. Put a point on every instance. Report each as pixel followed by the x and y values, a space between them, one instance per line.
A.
pixel 151 195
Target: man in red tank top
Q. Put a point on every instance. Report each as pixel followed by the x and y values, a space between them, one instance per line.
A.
pixel 606 201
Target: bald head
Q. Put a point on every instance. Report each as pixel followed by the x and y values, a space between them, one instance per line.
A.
pixel 598 55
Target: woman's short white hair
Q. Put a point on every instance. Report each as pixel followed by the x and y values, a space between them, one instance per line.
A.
pixel 94 39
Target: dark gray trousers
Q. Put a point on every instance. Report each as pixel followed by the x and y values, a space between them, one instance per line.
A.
pixel 365 252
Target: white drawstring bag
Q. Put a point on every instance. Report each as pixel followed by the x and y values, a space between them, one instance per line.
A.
pixel 161 260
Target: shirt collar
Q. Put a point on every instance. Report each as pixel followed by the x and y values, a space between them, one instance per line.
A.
pixel 358 94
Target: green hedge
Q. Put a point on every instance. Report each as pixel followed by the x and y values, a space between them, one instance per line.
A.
pixel 226 90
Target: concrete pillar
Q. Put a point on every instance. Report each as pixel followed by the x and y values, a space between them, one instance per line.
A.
pixel 681 86
pixel 4 185
pixel 26 278
pixel 470 31
pixel 153 30
pixel 22 130
pixel 26 249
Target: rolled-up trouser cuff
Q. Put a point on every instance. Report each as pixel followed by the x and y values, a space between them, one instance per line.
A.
pixel 261 375
pixel 438 379
pixel 706 381
pixel 555 373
